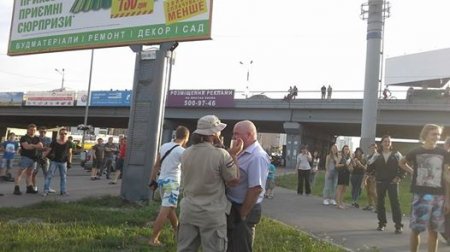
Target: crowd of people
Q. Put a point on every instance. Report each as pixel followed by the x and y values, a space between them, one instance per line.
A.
pixel 222 189
pixel 380 173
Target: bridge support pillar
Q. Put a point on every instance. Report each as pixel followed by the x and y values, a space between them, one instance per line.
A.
pixel 3 133
pixel 293 141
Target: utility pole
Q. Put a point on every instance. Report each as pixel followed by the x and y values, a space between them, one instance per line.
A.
pixel 374 12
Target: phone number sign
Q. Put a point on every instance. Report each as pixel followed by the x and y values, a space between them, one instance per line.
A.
pixel 216 98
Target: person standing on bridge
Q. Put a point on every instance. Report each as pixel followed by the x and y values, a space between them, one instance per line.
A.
pixel 331 176
pixel 430 186
pixel 247 196
pixel 29 144
pixel 388 175
pixel 329 91
pixel 323 91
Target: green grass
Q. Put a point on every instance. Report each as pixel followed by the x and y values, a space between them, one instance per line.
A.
pixel 289 181
pixel 108 224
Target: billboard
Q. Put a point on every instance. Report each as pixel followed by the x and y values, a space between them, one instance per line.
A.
pixel 82 98
pixel 50 98
pixel 11 99
pixel 420 69
pixel 61 25
pixel 111 98
pixel 216 98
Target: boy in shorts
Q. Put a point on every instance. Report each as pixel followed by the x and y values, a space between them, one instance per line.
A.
pixel 428 165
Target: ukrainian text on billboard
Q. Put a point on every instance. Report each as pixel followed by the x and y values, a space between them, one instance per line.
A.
pixel 111 98
pixel 221 98
pixel 50 98
pixel 58 25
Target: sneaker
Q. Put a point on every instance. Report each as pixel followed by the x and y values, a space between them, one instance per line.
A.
pixel 356 205
pixel 368 208
pixel 51 190
pixel 326 202
pixel 381 227
pixel 113 183
pixel 398 230
pixel 93 178
pixel 270 197
pixel 17 190
pixel 30 189
pixel 64 194
pixel 333 202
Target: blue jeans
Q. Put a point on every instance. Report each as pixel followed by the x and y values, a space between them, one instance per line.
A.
pixel 62 167
pixel 329 189
pixel 356 181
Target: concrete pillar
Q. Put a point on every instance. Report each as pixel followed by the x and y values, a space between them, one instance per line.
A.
pixel 372 76
pixel 168 128
pixel 145 123
pixel 293 141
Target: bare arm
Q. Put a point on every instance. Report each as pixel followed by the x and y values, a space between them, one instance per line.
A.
pixel 69 156
pixel 156 168
pixel 250 199
pixel 403 163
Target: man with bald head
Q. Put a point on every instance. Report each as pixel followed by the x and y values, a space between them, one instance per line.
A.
pixel 246 197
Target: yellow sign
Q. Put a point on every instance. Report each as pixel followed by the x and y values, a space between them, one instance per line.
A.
pixel 177 10
pixel 127 8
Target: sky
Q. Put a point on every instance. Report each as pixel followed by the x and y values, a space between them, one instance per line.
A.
pixel 291 42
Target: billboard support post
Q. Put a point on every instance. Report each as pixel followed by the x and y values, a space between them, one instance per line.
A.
pixel 145 122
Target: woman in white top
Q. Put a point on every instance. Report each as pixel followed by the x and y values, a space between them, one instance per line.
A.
pixel 304 169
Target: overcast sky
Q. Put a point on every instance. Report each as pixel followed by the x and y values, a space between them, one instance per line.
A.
pixel 306 43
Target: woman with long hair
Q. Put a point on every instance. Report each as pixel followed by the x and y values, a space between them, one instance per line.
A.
pixel 331 178
pixel 343 168
pixel 359 168
pixel 388 175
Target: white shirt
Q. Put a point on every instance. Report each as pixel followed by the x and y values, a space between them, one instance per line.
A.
pixel 302 161
pixel 171 166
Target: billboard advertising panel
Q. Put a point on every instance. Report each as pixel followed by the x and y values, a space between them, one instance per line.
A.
pixel 50 98
pixel 111 98
pixel 426 68
pixel 216 98
pixel 82 98
pixel 61 25
pixel 11 99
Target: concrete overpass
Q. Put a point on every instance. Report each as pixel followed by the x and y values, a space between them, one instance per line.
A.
pixel 336 117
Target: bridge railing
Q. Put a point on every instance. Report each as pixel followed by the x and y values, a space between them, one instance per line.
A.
pixel 312 94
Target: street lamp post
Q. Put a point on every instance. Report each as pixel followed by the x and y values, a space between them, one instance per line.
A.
pixel 62 74
pixel 247 91
pixel 86 111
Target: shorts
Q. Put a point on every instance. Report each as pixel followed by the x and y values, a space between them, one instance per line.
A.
pixel 97 163
pixel 169 190
pixel 119 164
pixel 427 211
pixel 27 163
pixel 270 184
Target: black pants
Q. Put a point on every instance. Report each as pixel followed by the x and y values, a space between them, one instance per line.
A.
pixel 392 190
pixel 241 234
pixel 303 176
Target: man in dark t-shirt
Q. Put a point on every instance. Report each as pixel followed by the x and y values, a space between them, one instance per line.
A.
pixel 98 153
pixel 428 165
pixel 29 145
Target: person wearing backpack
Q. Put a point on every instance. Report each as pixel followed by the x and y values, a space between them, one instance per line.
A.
pixel 167 165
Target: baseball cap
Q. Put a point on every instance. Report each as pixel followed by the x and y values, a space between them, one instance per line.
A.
pixel 209 125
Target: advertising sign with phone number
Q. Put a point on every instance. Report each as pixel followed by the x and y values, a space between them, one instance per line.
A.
pixel 217 98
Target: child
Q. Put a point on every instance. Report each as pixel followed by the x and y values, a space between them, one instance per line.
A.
pixel 270 184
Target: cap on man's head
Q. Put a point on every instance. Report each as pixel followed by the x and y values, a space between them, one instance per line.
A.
pixel 209 125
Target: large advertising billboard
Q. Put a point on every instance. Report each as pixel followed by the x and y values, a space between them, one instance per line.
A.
pixel 215 98
pixel 111 98
pixel 50 98
pixel 61 25
pixel 11 99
